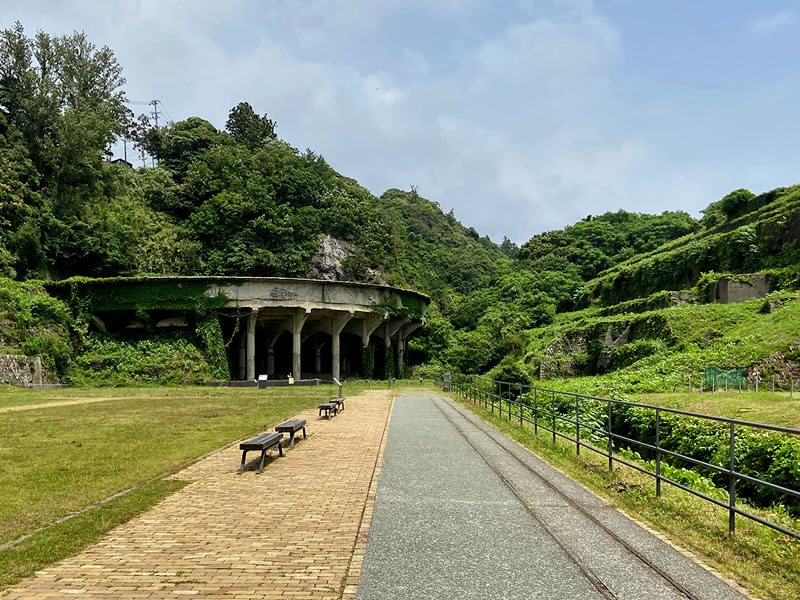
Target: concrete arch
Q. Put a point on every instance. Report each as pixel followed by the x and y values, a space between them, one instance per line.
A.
pixel 266 308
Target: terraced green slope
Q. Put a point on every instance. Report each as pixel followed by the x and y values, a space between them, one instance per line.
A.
pixel 662 348
pixel 766 235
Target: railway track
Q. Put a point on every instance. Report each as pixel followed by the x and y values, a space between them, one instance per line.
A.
pixel 596 581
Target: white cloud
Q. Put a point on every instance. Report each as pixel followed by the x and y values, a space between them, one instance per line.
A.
pixel 768 24
pixel 520 127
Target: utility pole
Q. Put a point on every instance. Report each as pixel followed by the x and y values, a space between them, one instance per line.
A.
pixel 154 104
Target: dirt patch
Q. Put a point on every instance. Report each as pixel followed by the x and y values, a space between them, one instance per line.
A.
pixel 623 487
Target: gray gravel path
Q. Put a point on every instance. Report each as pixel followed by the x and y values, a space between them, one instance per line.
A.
pixel 458 516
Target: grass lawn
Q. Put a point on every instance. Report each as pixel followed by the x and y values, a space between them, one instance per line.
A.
pixel 761 407
pixel 58 460
pixel 764 561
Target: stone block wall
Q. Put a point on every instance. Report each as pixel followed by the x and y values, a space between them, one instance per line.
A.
pixel 23 371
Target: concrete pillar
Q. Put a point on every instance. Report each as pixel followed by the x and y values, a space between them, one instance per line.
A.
pixel 337 324
pixel 402 340
pixel 273 339
pixel 401 350
pixel 298 320
pixel 387 336
pixel 369 325
pixel 242 353
pixel 317 355
pixel 391 328
pixel 270 361
pixel 335 355
pixel 38 371
pixel 251 345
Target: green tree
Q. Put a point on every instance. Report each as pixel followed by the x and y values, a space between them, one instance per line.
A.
pixel 64 95
pixel 183 142
pixel 248 128
pixel 20 244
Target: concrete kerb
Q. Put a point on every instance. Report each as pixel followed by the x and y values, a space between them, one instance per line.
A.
pixel 353 572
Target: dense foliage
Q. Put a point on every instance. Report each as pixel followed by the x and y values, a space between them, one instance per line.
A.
pixel 241 201
pixel 759 454
pixel 34 323
pixel 597 243
pixel 589 306
pixel 114 360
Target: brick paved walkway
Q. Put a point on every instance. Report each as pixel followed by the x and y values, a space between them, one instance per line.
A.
pixel 296 531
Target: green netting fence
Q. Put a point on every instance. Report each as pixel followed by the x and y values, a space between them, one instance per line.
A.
pixel 716 377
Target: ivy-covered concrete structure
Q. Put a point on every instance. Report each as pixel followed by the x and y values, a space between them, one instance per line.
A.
pixel 263 325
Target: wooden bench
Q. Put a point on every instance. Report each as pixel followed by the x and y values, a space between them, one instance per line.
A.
pixel 328 408
pixel 292 427
pixel 263 442
pixel 339 402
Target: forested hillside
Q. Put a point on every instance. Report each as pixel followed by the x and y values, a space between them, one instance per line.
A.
pixel 239 200
pixel 233 201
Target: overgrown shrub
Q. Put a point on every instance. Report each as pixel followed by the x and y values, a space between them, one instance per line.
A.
pixel 209 334
pixel 773 457
pixel 120 359
pixel 35 323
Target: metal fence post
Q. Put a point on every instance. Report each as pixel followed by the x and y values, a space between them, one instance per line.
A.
pixel 610 446
pixel 732 482
pixel 577 426
pixel 658 452
pixel 487 389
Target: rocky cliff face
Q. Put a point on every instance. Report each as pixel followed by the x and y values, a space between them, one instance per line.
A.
pixel 329 262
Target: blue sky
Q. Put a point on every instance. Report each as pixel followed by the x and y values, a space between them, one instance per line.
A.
pixel 521 115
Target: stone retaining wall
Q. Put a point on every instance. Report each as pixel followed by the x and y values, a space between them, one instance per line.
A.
pixel 24 371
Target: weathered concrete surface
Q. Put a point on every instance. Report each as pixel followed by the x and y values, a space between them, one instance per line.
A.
pixel 309 294
pixel 728 291
pixel 445 524
pixel 267 309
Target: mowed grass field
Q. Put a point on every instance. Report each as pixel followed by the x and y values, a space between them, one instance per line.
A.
pixel 57 460
pixel 760 407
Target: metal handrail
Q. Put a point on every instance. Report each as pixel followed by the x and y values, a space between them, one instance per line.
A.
pixel 475 389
